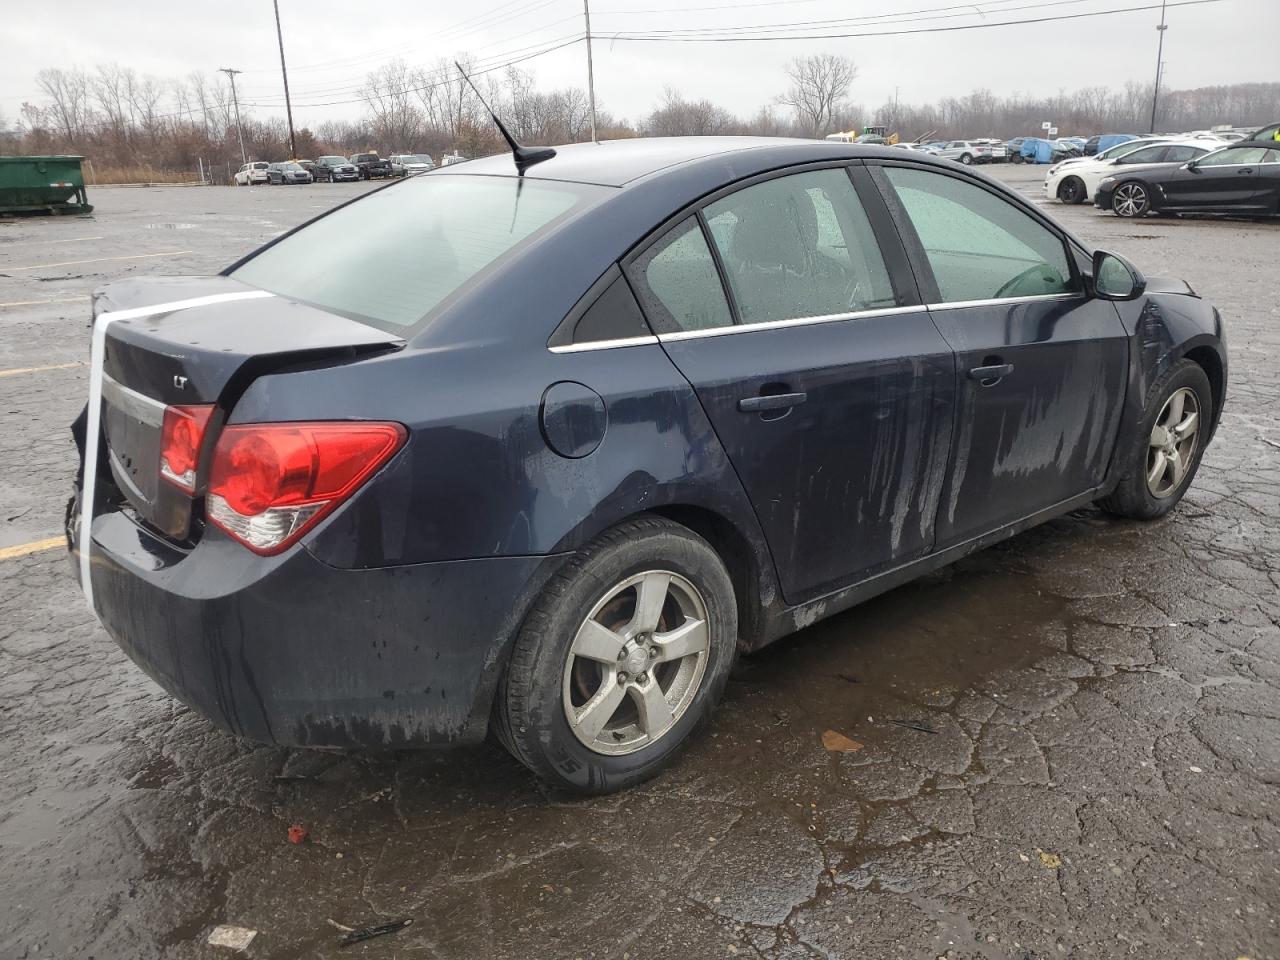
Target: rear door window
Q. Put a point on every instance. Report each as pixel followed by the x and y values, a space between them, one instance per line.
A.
pixel 392 257
pixel 980 246
pixel 799 246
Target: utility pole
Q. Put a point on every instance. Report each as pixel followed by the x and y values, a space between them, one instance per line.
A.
pixel 288 107
pixel 244 158
pixel 591 78
pixel 1155 94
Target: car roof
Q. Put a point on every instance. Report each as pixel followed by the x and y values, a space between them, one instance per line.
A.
pixel 617 163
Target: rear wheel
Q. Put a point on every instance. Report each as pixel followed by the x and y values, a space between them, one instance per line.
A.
pixel 1166 451
pixel 1071 190
pixel 621 660
pixel 1131 200
pixel 966 159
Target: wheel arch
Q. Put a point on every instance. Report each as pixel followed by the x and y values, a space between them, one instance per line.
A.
pixel 740 558
pixel 1209 360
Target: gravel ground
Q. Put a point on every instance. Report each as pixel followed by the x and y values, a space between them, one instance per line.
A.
pixel 1071 742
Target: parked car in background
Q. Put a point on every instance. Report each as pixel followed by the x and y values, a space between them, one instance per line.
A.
pixel 407 164
pixel 371 166
pixel 971 151
pixel 289 171
pixel 542 453
pixel 1014 149
pixel 1075 181
pixel 1241 178
pixel 333 169
pixel 449 159
pixel 252 173
pixel 928 148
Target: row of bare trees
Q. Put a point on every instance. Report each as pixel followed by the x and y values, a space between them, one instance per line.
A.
pixel 121 118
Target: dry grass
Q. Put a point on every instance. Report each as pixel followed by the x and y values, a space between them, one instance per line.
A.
pixel 95 175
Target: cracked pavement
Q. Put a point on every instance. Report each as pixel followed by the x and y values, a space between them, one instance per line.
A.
pixel 1070 741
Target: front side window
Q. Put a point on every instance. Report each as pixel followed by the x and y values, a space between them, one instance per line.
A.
pixel 799 246
pixel 980 246
pixel 447 230
pixel 1230 156
pixel 677 282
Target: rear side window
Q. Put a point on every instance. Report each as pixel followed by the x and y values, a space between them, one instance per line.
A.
pixel 1183 154
pixel 799 246
pixel 1153 154
pixel 677 282
pixel 979 246
pixel 393 256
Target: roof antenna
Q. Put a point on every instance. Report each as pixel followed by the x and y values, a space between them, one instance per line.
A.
pixel 525 157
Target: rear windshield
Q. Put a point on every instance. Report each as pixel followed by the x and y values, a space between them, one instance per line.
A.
pixel 393 256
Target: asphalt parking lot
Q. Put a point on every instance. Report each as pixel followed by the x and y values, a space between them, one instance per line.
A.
pixel 1070 742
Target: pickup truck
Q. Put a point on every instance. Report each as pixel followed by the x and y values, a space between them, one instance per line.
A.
pixel 372 166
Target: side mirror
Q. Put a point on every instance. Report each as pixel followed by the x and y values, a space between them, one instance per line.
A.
pixel 1115 278
pixel 1191 165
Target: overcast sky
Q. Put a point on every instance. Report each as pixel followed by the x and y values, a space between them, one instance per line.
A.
pixel 331 45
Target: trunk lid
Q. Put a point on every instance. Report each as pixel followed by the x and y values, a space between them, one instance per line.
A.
pixel 203 353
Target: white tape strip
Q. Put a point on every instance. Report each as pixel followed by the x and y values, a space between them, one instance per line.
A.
pixel 94 427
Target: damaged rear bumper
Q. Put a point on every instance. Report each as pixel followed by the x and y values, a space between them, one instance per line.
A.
pixel 292 651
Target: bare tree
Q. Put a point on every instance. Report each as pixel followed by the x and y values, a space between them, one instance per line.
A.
pixel 68 93
pixel 678 117
pixel 818 83
pixel 396 121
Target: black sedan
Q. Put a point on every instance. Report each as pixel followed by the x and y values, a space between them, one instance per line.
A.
pixel 548 462
pixel 1242 179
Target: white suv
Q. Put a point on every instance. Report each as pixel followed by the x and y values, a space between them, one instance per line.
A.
pixel 252 173
pixel 973 151
pixel 1076 181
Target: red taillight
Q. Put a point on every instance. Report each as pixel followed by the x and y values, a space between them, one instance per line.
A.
pixel 271 482
pixel 180 439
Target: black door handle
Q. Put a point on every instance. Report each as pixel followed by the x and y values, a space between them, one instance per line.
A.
pixel 1245 170
pixel 772 401
pixel 989 375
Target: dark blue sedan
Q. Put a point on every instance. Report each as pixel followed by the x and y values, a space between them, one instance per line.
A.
pixel 542 453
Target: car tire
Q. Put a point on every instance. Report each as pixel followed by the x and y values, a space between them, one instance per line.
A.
pixel 1153 479
pixel 1071 191
pixel 1131 200
pixel 966 159
pixel 646 708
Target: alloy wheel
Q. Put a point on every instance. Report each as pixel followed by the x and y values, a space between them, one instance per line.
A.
pixel 636 663
pixel 1130 200
pixel 1174 439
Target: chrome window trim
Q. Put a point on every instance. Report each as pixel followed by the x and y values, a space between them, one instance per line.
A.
pixel 678 335
pixel 996 301
pixel 782 324
pixel 603 344
pixel 138 405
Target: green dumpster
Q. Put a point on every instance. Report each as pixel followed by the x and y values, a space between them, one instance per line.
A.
pixel 49 184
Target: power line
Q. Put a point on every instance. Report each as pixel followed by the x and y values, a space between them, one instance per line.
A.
pixel 576 38
pixel 441 72
pixel 652 37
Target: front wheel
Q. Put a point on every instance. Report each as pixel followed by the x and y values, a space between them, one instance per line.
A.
pixel 1131 200
pixel 1165 454
pixel 621 660
pixel 1071 191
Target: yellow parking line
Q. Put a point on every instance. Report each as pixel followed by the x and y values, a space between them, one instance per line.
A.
pixel 53 366
pixel 32 303
pixel 22 549
pixel 74 263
